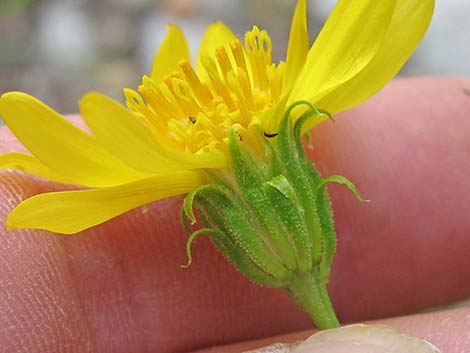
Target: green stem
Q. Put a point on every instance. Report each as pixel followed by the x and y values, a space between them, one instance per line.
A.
pixel 310 292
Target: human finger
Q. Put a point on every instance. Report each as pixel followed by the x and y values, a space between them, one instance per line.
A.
pixel 120 287
pixel 447 330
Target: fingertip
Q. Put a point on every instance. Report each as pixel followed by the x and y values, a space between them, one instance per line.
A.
pixel 361 338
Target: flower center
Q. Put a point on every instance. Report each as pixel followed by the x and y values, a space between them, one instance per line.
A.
pixel 193 112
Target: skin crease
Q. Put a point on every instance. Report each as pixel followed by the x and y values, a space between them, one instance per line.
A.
pixel 119 287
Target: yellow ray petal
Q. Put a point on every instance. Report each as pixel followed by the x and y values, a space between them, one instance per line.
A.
pixel 216 35
pixel 122 134
pixel 60 145
pixel 348 41
pixel 31 165
pixel 298 45
pixel 409 23
pixel 70 212
pixel 173 49
pixel 211 159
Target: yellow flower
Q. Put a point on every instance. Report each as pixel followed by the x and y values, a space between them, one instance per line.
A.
pixel 177 125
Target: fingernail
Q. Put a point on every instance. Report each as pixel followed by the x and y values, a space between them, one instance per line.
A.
pixel 274 348
pixel 364 339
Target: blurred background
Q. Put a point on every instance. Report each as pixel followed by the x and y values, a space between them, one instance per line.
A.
pixel 57 50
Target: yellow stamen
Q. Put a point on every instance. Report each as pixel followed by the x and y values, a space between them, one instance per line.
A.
pixel 168 92
pixel 276 78
pixel 219 87
pixel 224 61
pixel 182 93
pixel 238 55
pixel 201 91
pixel 258 46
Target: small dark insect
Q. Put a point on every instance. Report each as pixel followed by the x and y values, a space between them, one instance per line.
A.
pixel 192 119
pixel 270 135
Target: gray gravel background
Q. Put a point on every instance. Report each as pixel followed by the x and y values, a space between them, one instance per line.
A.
pixel 59 49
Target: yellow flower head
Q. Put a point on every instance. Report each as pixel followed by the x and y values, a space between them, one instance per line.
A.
pixel 177 124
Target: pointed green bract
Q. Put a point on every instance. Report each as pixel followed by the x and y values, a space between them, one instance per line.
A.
pixel 281 184
pixel 292 157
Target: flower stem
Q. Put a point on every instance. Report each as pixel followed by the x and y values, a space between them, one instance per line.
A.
pixel 310 292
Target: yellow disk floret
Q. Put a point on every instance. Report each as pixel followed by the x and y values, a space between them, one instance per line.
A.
pixel 193 112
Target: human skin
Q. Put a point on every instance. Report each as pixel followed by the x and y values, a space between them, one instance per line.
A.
pixel 119 287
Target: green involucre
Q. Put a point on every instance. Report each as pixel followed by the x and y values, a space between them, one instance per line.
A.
pixel 273 219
